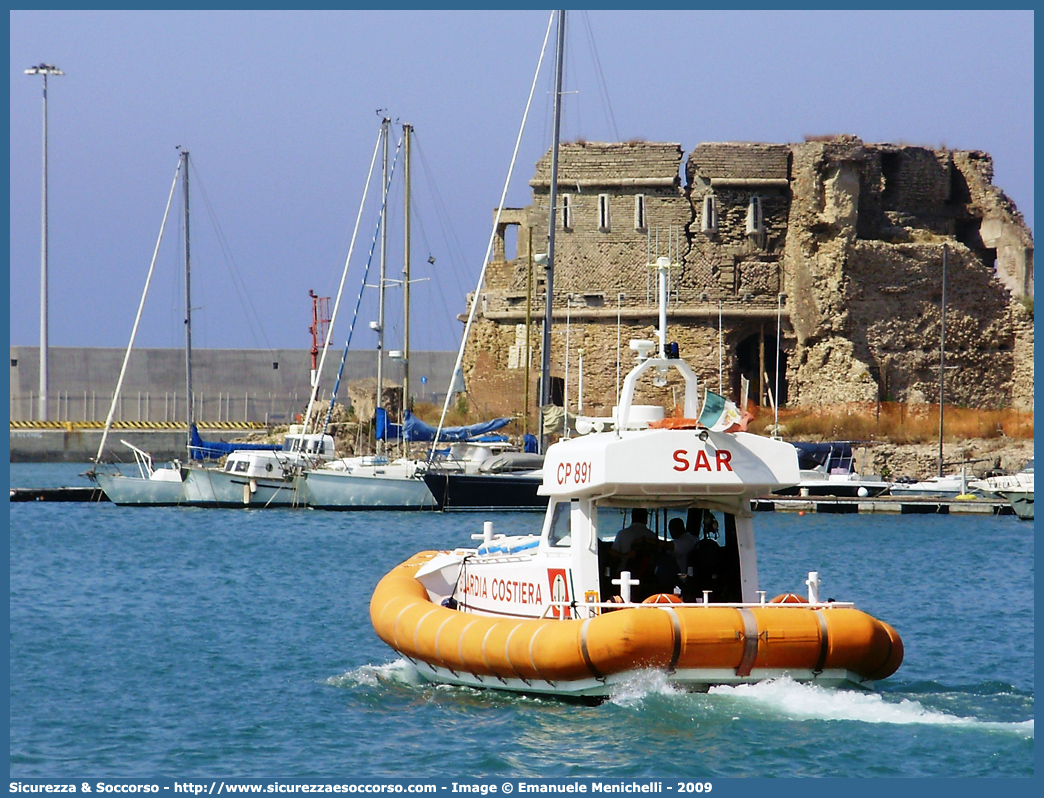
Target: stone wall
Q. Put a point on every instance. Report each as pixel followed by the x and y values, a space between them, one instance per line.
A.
pixel 865 242
pixel 840 240
pixel 606 261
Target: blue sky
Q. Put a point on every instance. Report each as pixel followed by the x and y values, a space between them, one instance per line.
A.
pixel 279 112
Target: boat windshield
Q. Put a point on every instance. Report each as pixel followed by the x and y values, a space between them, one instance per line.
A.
pixel 695 520
pixel 695 553
pixel 559 534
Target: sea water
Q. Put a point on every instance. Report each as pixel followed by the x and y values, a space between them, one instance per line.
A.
pixel 188 642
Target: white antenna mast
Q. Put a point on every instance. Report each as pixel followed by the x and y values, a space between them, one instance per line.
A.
pixel 663 263
pixel 779 325
pixel 721 385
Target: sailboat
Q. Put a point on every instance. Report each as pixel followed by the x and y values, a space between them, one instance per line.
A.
pixel 509 483
pixel 259 478
pixel 376 482
pixel 152 485
pixel 247 468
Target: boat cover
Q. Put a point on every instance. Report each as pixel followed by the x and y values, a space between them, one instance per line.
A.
pixel 417 430
pixel 200 449
pixel 811 455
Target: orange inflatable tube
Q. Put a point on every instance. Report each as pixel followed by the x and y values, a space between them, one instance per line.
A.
pixel 784 636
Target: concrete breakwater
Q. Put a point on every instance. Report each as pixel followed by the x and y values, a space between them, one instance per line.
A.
pixel 77 442
pixel 229 385
pixel 59 442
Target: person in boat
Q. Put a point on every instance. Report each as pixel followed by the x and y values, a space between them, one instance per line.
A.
pixel 683 541
pixel 636 549
pixel 637 532
pixel 707 561
pixel 672 560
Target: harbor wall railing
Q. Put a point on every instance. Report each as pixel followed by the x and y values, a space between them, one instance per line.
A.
pixel 268 387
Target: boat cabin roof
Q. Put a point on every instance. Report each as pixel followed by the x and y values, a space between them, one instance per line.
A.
pixel 664 466
pixel 310 444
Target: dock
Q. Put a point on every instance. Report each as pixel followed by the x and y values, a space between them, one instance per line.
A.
pixel 77 494
pixel 896 505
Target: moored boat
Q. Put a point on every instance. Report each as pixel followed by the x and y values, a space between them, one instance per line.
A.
pixel 577 608
pixel 152 486
pixel 259 478
pixel 1021 503
pixel 368 482
pixel 828 469
pixel 486 475
pixel 1015 488
pixel 949 485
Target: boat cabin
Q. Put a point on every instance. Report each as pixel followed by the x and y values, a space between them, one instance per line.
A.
pixel 297 443
pixel 599 488
pixel 691 552
pixel 469 455
pixel 298 449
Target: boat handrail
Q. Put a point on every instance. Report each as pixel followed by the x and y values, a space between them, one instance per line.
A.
pixel 505 557
pixel 447 465
pixel 142 458
pixel 739 605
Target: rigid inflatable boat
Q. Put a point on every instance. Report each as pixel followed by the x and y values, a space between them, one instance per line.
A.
pixel 578 608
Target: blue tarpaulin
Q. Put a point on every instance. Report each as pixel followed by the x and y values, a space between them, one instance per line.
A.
pixel 384 429
pixel 200 449
pixel 417 430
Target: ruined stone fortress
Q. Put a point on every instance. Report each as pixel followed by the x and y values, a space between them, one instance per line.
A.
pixel 826 256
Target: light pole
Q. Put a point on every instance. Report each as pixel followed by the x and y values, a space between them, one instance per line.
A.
pixel 45 70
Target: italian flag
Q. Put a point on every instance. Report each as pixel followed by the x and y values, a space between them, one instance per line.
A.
pixel 721 415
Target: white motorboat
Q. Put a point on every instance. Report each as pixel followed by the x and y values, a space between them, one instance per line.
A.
pixel 1016 488
pixel 259 478
pixel 951 485
pixel 828 469
pixel 575 609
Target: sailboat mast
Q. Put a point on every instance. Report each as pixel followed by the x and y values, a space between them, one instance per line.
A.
pixel 942 357
pixel 188 310
pixel 545 363
pixel 406 131
pixel 380 283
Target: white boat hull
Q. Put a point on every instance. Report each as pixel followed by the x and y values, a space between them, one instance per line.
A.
pixel 137 491
pixel 211 487
pixel 338 490
pixel 1021 503
pixel 936 486
pixel 697 680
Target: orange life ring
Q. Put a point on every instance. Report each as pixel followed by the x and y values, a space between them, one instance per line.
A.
pixel 663 598
pixel 789 598
pixel 672 422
